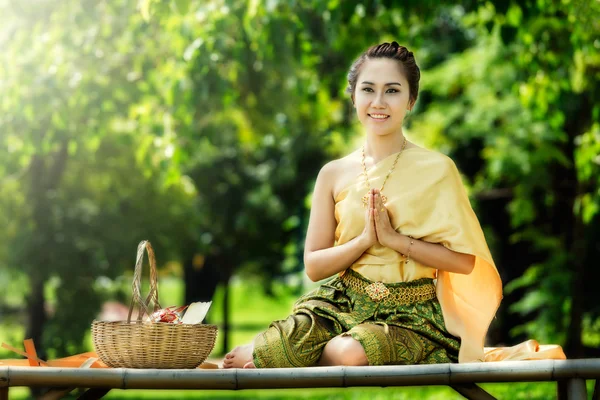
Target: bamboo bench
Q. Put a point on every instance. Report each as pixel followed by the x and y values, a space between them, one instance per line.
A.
pixel 570 376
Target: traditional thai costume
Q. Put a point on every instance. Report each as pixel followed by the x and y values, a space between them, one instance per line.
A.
pixel 401 312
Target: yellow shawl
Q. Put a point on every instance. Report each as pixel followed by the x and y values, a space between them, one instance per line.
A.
pixel 427 200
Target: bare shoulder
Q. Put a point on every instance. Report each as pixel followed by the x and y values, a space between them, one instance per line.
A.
pixel 343 172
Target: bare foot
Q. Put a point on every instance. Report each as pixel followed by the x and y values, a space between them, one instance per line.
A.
pixel 249 365
pixel 239 357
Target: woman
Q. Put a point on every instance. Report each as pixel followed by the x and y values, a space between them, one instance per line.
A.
pixel 386 220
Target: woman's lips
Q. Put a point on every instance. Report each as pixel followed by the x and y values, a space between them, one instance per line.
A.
pixel 379 117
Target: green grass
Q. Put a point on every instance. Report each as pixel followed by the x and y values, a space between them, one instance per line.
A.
pixel 516 391
pixel 405 393
pixel 252 312
pixel 11 332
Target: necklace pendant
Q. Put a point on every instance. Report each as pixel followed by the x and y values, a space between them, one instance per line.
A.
pixel 365 199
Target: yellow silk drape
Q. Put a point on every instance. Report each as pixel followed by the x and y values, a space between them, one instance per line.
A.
pixel 427 200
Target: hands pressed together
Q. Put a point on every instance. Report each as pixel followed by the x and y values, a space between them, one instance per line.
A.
pixel 378 228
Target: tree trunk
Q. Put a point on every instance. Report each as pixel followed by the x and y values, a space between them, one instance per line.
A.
pixel 574 343
pixel 570 189
pixel 36 319
pixel 512 259
pixel 45 175
pixel 201 276
pixel 36 314
pixel 225 335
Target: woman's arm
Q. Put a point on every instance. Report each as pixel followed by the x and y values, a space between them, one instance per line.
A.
pixel 431 254
pixel 321 258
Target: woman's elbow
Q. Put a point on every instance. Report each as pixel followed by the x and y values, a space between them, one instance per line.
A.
pixel 468 264
pixel 312 276
pixel 311 269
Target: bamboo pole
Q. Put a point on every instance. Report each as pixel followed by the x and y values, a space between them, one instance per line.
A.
pixel 233 379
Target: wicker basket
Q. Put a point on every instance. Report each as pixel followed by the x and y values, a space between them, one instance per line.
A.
pixel 137 344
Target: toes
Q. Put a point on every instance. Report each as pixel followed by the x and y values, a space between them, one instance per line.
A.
pixel 249 365
pixel 232 353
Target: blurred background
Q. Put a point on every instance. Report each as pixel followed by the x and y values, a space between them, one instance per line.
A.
pixel 201 125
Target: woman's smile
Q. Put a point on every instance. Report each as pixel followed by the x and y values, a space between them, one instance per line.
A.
pixel 379 117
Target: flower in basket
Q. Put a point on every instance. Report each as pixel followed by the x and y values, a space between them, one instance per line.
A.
pixel 174 315
pixel 170 315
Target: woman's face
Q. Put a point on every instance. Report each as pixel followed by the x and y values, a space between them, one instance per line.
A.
pixel 381 97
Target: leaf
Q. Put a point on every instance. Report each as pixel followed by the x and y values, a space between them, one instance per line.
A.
pixel 183 6
pixel 529 278
pixel 144 7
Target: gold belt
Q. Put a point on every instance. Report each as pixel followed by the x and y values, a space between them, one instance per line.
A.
pixel 394 293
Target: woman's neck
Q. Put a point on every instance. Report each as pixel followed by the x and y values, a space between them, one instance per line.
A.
pixel 379 147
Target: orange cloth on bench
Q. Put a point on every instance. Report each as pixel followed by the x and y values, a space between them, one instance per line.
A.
pixel 74 361
pixel 528 350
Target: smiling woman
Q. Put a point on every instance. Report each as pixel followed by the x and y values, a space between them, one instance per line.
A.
pixel 411 278
pixel 384 85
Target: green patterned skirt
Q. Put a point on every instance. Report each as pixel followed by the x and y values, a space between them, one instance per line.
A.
pixel 398 323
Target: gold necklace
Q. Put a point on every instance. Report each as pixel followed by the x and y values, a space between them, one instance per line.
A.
pixel 365 198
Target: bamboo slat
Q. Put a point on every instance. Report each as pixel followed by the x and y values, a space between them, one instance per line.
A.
pixel 233 379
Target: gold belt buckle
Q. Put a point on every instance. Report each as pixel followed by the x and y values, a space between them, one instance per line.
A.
pixel 377 291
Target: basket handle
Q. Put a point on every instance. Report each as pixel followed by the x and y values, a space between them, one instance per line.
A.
pixel 136 299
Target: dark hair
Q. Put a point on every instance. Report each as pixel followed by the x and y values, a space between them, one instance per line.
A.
pixel 392 51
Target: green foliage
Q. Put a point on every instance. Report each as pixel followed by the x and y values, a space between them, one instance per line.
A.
pixel 201 126
pixel 524 97
pixel 79 193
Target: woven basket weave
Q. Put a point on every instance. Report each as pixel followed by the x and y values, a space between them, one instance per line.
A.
pixel 137 344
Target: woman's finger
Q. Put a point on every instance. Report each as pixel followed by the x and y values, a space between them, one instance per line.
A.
pixel 378 203
pixel 382 207
pixel 371 208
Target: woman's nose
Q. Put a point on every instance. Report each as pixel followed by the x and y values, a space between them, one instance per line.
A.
pixel 378 101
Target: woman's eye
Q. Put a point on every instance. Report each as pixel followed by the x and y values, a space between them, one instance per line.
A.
pixel 370 90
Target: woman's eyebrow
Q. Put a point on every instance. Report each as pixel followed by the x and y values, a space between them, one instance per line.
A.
pixel 387 84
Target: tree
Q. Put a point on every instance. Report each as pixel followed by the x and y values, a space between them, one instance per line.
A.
pixel 201 125
pixel 83 188
pixel 519 112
